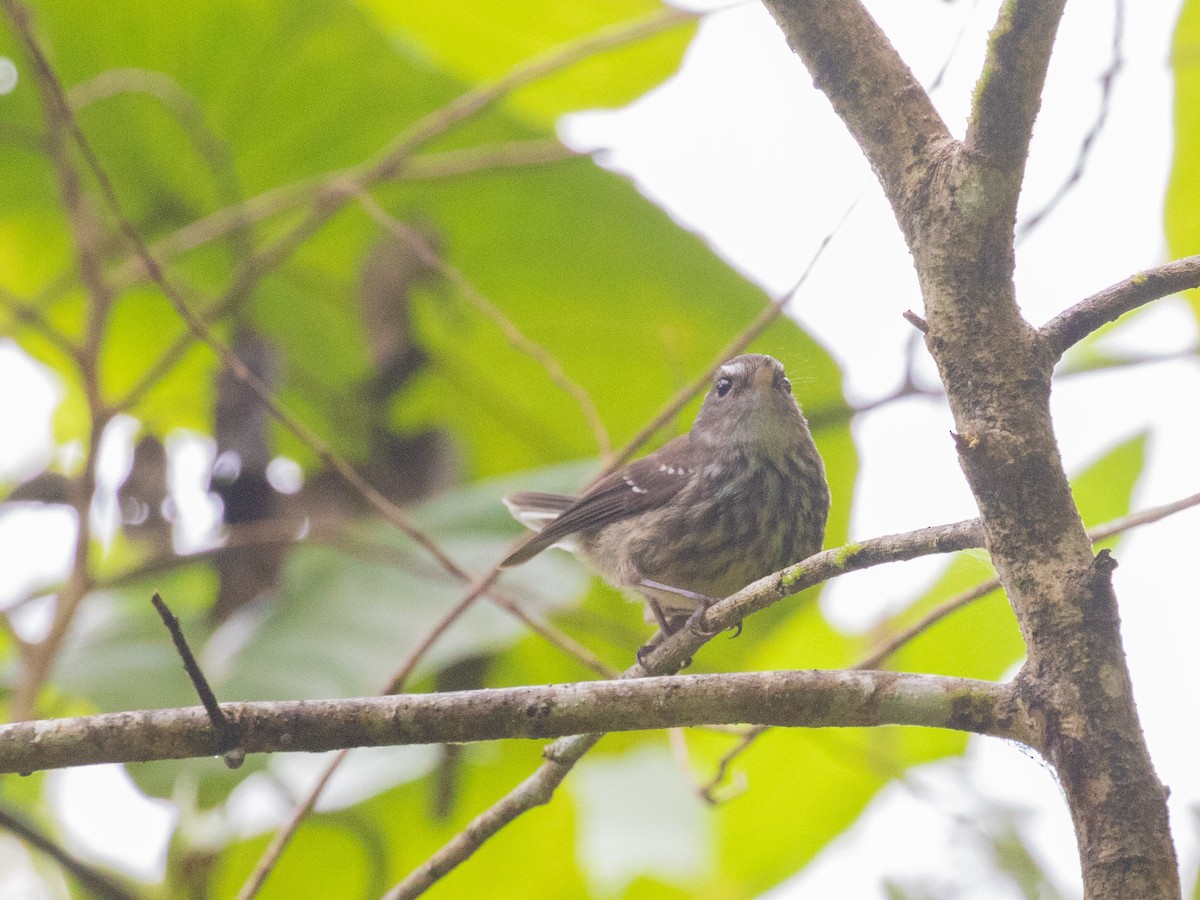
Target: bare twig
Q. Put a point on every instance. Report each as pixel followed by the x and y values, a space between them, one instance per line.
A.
pixel 227 730
pixel 489 157
pixel 916 321
pixel 753 329
pixel 182 105
pixel 278 200
pixel 98 884
pixel 1108 80
pixel 86 233
pixel 27 314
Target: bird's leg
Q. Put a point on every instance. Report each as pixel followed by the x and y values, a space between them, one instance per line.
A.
pixel 664 628
pixel 694 622
pixel 664 623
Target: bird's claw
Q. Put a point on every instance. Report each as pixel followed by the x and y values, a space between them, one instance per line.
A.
pixel 695 622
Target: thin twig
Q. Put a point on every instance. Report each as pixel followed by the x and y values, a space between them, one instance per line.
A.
pixel 515 337
pixel 98 884
pixel 753 329
pixel 27 314
pixel 88 239
pixel 488 158
pixel 1108 81
pixel 201 329
pixel 227 730
pixel 238 216
pixel 916 321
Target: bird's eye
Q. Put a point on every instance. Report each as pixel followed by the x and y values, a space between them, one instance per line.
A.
pixel 723 385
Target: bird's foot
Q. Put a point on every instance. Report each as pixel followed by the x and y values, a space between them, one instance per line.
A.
pixel 695 622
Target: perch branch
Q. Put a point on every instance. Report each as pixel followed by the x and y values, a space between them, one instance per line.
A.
pixel 668 657
pixel 878 655
pixel 808 699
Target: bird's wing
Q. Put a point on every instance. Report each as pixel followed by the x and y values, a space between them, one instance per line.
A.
pixel 647 483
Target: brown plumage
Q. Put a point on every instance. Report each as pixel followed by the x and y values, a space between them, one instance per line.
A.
pixel 743 494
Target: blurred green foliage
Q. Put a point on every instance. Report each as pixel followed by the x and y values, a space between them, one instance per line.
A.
pixel 1183 189
pixel 196 108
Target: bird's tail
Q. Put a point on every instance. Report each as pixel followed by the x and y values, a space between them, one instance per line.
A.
pixel 535 510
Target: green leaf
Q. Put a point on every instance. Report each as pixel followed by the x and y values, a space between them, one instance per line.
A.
pixel 342 619
pixel 534 857
pixel 639 309
pixel 346 616
pixel 227 99
pixel 479 42
pixel 1183 189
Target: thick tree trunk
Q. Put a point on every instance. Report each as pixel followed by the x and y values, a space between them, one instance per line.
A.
pixel 956 204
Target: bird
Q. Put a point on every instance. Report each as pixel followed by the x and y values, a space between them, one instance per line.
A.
pixel 741 495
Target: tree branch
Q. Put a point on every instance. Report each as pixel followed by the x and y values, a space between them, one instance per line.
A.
pixel 805 699
pixel 1073 325
pixel 1009 93
pixel 676 649
pixel 669 657
pixel 882 651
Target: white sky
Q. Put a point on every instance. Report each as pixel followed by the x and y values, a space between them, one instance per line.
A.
pixel 740 148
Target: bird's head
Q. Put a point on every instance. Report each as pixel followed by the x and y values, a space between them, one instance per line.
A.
pixel 750 405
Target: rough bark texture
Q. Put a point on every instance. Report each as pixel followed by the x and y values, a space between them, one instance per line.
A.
pixel 956 204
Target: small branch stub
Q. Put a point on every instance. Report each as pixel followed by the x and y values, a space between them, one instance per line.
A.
pixel 228 733
pixel 916 321
pixel 965 443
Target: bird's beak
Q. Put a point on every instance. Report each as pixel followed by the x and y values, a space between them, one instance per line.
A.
pixel 763 378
